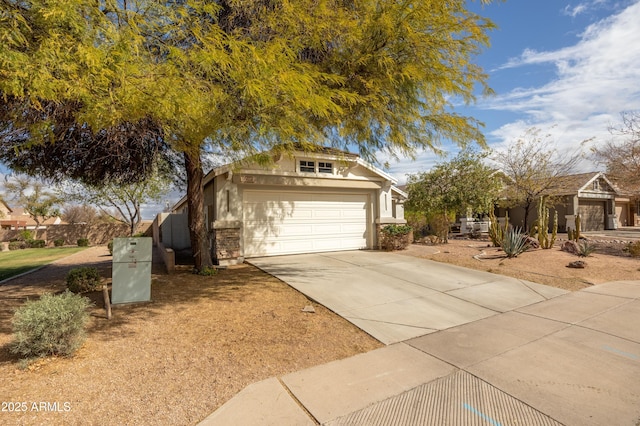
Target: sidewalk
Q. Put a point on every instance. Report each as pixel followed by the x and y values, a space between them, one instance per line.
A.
pixel 573 360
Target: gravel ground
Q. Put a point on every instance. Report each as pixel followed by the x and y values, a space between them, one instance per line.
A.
pixel 171 361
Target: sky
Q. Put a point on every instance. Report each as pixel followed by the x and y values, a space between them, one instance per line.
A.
pixel 568 68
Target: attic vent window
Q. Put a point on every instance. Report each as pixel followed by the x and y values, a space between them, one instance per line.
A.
pixel 596 185
pixel 307 166
pixel 325 167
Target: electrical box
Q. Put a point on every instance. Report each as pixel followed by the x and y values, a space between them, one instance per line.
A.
pixel 131 277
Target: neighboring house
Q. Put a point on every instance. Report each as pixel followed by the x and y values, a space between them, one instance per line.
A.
pixel 627 205
pixel 591 195
pixel 310 202
pixel 17 218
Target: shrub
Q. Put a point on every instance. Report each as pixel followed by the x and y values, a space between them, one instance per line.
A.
pixel 83 242
pixel 634 249
pixel 17 245
pixel 110 247
pixel 52 325
pixel 59 242
pixel 36 243
pixel 514 242
pixel 585 249
pixel 25 235
pixel 208 271
pixel 395 237
pixel 82 280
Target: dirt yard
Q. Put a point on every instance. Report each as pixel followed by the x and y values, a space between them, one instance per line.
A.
pixel 608 263
pixel 203 339
pixel 171 361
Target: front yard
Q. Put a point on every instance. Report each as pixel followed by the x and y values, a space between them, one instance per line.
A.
pixel 174 360
pixel 16 262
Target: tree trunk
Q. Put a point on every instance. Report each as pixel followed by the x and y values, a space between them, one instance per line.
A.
pixel 195 205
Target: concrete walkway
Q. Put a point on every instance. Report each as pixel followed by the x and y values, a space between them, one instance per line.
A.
pixel 573 359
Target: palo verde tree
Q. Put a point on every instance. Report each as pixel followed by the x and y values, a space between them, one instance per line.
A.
pixel 621 157
pixel 453 187
pixel 122 202
pixel 244 77
pixel 534 167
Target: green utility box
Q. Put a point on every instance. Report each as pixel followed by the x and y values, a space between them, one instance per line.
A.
pixel 131 277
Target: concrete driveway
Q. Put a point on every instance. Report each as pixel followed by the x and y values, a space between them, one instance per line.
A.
pixel 395 298
pixel 507 352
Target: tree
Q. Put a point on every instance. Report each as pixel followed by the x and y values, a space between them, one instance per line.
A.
pixel 533 167
pixel 33 196
pixel 243 77
pixel 79 213
pixel 622 158
pixel 454 187
pixel 121 202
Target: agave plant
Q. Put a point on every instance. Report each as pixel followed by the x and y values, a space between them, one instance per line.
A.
pixel 585 249
pixel 514 242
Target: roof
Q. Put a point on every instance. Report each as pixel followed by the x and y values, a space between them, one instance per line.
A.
pixel 18 214
pixel 328 152
pixel 572 184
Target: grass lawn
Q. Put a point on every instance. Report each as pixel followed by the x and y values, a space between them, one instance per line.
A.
pixel 16 262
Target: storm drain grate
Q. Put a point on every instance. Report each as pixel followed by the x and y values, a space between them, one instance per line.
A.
pixel 458 399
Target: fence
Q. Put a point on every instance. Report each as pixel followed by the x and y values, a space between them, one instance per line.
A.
pixel 98 234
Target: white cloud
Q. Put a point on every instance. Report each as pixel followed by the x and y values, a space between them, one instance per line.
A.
pixel 596 79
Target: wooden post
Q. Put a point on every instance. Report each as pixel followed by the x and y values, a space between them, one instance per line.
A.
pixel 107 302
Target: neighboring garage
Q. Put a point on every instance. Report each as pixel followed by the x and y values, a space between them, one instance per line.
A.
pixel 327 200
pixel 592 215
pixel 288 222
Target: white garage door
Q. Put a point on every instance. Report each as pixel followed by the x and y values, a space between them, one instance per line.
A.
pixel 282 222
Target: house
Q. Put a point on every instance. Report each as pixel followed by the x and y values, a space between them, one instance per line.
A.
pixel 17 218
pixel 591 195
pixel 327 200
pixel 627 204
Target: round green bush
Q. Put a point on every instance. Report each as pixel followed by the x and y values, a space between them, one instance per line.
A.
pixel 17 245
pixel 36 243
pixel 110 247
pixel 83 242
pixel 59 242
pixel 82 280
pixel 52 325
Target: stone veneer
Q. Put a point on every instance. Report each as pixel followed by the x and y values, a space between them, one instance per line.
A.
pixel 226 244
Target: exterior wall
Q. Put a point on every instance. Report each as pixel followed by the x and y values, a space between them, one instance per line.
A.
pixel 96 234
pixel 174 231
pixel 227 244
pixel 623 217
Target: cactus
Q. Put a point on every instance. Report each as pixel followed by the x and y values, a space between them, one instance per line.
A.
pixel 545 241
pixel 496 232
pixel 570 234
pixel 577 233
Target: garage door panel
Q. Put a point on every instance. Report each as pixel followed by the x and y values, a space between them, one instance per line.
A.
pixel 592 215
pixel 286 223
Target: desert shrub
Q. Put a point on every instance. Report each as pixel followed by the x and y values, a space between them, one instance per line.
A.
pixel 58 243
pixel 36 243
pixel 82 280
pixel 514 242
pixel 396 237
pixel 110 247
pixel 83 242
pixel 634 249
pixel 17 245
pixel 585 249
pixel 52 325
pixel 25 235
pixel 208 271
